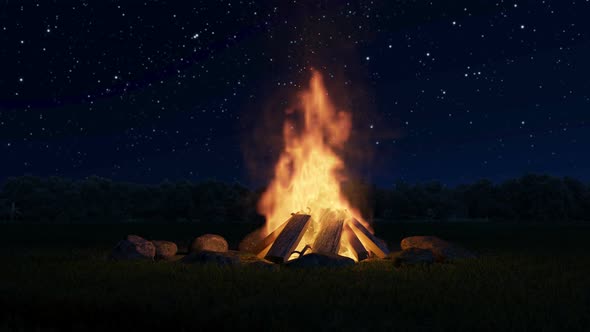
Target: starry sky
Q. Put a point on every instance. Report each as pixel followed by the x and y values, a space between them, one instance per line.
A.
pixel 143 91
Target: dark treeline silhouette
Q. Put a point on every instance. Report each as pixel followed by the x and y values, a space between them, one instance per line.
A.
pixel 539 198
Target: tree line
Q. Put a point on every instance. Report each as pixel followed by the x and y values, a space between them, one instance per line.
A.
pixel 533 197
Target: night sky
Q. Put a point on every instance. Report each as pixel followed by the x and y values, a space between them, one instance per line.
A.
pixel 143 91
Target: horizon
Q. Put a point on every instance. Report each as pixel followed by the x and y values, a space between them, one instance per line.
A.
pixel 253 187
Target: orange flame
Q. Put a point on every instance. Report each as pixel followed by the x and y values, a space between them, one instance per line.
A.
pixel 309 171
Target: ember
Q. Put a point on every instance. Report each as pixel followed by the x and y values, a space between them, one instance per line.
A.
pixel 306 185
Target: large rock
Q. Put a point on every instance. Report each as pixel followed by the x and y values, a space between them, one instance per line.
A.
pixel 320 260
pixel 251 260
pixel 262 264
pixel 212 257
pixel 165 249
pixel 412 256
pixel 136 238
pixel 134 247
pixel 228 258
pixel 422 242
pixel 441 249
pixel 209 242
pixel 251 241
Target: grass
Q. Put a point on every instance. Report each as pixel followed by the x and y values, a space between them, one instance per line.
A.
pixel 529 277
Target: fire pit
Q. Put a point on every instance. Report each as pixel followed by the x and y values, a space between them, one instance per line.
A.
pixel 309 221
pixel 307 186
pixel 337 235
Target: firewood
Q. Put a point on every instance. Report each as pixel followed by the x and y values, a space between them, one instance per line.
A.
pixel 355 244
pixel 368 240
pixel 263 246
pixel 288 239
pixel 328 239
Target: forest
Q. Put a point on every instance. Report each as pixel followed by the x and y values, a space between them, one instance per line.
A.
pixel 530 198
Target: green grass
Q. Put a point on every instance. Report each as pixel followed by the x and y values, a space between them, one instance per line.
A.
pixel 529 277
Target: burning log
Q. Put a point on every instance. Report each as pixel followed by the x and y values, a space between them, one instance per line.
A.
pixel 328 238
pixel 264 246
pixel 368 240
pixel 355 245
pixel 289 238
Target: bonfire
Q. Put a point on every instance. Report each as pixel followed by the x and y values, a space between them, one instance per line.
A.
pixel 304 206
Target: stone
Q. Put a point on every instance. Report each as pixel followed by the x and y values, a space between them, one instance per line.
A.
pixel 253 261
pixel 442 250
pixel 320 260
pixel 135 238
pixel 228 258
pixel 412 256
pixel 422 242
pixel 212 257
pixel 209 242
pixel 165 249
pixel 144 247
pixel 251 241
pixel 262 264
pixel 133 248
pixel 125 250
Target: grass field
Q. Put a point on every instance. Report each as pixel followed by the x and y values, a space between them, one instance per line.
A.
pixel 528 278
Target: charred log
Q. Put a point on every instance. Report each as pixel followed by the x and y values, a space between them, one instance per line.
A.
pixel 369 241
pixel 263 246
pixel 328 238
pixel 289 238
pixel 357 248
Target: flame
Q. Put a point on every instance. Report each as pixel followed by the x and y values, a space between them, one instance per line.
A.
pixel 309 171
